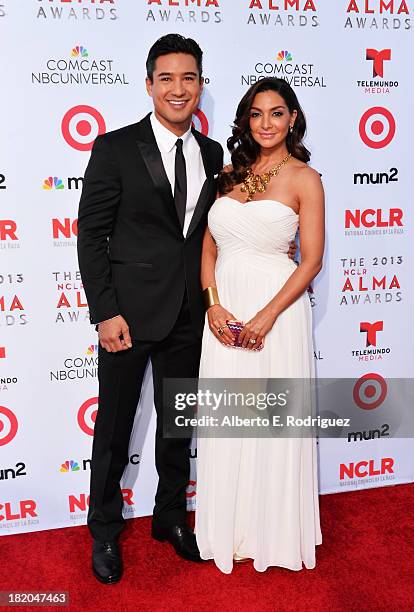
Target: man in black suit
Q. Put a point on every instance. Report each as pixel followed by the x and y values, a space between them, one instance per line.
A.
pixel 142 215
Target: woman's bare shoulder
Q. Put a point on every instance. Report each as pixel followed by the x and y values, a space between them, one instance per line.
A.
pixel 304 172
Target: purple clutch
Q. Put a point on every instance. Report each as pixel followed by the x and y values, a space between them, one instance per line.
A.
pixel 236 327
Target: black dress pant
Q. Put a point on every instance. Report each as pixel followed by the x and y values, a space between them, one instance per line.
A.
pixel 120 380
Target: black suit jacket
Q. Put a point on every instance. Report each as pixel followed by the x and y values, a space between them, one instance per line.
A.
pixel 133 257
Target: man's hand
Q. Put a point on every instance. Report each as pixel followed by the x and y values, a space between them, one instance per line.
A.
pixel 114 334
pixel 292 250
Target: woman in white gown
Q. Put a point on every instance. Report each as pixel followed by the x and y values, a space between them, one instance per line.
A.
pixel 257 498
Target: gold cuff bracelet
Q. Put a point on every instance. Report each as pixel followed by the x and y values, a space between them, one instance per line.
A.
pixel 210 297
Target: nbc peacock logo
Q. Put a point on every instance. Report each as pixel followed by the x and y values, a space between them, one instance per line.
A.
pixel 69 466
pixel 53 182
pixel 79 51
pixel 92 349
pixel 284 56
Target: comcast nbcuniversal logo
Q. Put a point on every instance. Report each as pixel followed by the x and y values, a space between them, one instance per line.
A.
pixel 284 64
pixel 79 67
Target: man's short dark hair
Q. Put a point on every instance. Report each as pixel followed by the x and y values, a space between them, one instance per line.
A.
pixel 173 43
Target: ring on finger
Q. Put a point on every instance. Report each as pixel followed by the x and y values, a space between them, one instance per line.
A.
pixel 252 341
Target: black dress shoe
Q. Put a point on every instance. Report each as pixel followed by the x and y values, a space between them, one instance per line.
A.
pixel 106 562
pixel 181 537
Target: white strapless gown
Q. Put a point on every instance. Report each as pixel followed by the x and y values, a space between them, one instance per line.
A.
pixel 257 498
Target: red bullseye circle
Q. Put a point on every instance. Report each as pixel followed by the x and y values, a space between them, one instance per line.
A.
pixel 82 413
pixel 203 121
pixel 384 123
pixel 370 391
pixel 83 128
pixel 75 131
pixel 14 425
pixel 377 127
pixel 191 488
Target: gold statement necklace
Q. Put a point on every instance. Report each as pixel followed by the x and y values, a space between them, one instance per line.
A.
pixel 258 182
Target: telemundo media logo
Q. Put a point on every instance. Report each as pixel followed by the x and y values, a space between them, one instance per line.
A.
pixel 375 83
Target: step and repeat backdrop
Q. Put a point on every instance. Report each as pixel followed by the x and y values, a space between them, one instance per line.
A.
pixel 72 69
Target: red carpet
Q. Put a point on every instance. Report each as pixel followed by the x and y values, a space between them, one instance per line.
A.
pixel 366 563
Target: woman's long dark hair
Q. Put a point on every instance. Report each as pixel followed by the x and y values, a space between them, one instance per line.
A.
pixel 244 149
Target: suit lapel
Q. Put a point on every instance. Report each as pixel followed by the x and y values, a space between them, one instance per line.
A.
pixel 209 167
pixel 153 161
pixel 208 161
pixel 152 158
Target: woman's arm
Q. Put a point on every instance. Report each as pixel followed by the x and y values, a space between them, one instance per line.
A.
pixel 217 315
pixel 312 239
pixel 208 261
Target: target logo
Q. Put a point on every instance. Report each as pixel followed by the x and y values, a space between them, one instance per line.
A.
pixel 200 122
pixel 81 125
pixel 370 391
pixel 8 425
pixel 377 127
pixel 87 415
pixel 191 489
